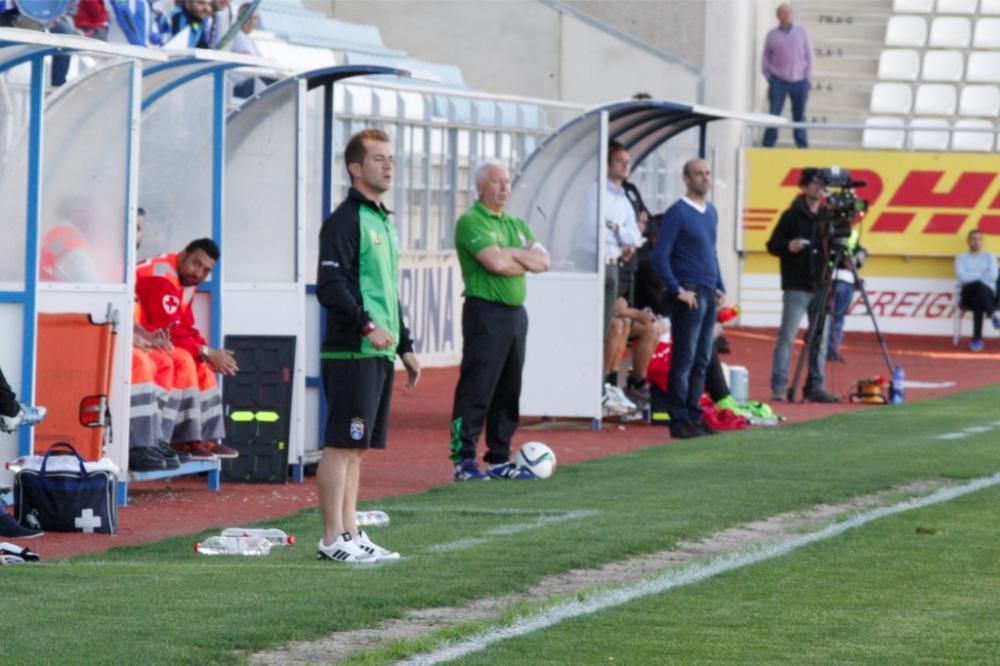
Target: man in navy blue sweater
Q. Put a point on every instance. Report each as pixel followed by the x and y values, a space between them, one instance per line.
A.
pixel 685 258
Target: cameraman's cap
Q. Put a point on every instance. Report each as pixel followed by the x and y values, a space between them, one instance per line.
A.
pixel 808 175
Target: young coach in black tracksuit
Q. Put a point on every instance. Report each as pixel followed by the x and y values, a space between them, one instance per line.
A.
pixel 358 284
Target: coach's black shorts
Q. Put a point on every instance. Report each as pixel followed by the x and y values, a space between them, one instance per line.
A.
pixel 358 392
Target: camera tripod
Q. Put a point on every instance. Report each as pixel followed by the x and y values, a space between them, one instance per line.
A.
pixel 817 322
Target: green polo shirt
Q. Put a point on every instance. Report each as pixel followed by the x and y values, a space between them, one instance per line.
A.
pixel 478 229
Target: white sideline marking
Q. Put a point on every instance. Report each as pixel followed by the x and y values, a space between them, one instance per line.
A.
pixel 685 576
pixel 971 430
pixel 507 530
pixel 917 384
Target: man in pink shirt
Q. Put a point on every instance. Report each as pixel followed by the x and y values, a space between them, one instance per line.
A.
pixel 787 65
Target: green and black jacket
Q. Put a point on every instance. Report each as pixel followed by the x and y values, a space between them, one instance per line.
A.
pixel 358 279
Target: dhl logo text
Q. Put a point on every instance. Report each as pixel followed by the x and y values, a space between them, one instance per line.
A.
pixel 921 204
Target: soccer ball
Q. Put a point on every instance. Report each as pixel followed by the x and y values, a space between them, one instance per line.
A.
pixel 538 458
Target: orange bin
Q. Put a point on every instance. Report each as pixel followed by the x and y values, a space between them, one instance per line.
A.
pixel 73 371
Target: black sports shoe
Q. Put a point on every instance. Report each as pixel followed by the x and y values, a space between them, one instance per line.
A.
pixel 146 459
pixel 685 430
pixel 821 396
pixel 12 529
pixel 170 457
pixel 705 428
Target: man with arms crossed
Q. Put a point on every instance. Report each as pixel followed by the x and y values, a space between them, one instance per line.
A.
pixel 358 284
pixel 495 250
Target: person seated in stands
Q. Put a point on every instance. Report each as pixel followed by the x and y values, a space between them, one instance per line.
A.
pixel 165 288
pixel 137 22
pixel 194 19
pixel 12 17
pixel 976 271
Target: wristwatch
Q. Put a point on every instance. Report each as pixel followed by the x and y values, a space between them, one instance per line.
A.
pixel 367 328
pixel 203 351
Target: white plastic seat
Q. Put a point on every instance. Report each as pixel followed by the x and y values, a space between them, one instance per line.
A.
pixel 987 34
pixel 972 141
pixel 891 98
pixel 906 31
pixel 883 138
pixel 953 32
pixel 928 140
pixel 989 7
pixel 935 99
pixel 957 6
pixel 913 6
pixel 899 65
pixel 984 67
pixel 980 101
pixel 942 66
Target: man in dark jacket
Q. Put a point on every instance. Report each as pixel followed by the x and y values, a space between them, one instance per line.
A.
pixel 358 284
pixel 799 241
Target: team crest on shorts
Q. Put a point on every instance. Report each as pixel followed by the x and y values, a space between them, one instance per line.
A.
pixel 357 429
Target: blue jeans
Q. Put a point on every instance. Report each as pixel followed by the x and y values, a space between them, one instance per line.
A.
pixel 691 330
pixel 777 90
pixel 795 304
pixel 843 293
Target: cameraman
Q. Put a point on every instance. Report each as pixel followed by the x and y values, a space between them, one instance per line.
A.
pixel 799 241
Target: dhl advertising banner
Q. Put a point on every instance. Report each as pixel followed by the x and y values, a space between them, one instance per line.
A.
pixel 921 206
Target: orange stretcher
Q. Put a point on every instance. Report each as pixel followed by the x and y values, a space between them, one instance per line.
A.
pixel 73 371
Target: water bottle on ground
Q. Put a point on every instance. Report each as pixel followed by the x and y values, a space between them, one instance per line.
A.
pixel 272 534
pixel 234 545
pixel 372 518
pixel 897 393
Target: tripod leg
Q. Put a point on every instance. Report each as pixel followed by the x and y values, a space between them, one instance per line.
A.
pixel 871 314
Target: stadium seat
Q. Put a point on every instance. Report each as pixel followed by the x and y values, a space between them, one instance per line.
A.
pixel 906 31
pixel 950 32
pixel 926 140
pixel 942 66
pixel 899 65
pixel 935 99
pixel 891 98
pixel 989 7
pixel 883 138
pixel 980 101
pixel 987 34
pixel 956 6
pixel 972 141
pixel 913 6
pixel 984 67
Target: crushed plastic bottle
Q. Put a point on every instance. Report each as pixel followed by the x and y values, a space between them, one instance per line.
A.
pixel 372 518
pixel 275 536
pixel 234 545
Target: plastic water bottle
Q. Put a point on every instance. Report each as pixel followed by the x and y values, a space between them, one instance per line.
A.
pixel 372 518
pixel 272 534
pixel 897 392
pixel 234 545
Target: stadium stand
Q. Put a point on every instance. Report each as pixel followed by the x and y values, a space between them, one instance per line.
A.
pixel 953 59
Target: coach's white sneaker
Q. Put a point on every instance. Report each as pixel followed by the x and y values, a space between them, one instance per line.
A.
pixel 345 549
pixel 377 551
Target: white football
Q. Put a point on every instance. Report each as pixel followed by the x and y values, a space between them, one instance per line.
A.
pixel 538 458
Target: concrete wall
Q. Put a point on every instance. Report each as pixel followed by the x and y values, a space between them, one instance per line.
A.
pixel 530 48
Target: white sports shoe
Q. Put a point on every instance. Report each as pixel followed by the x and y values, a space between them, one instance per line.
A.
pixel 375 550
pixel 614 402
pixel 345 549
pixel 26 416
